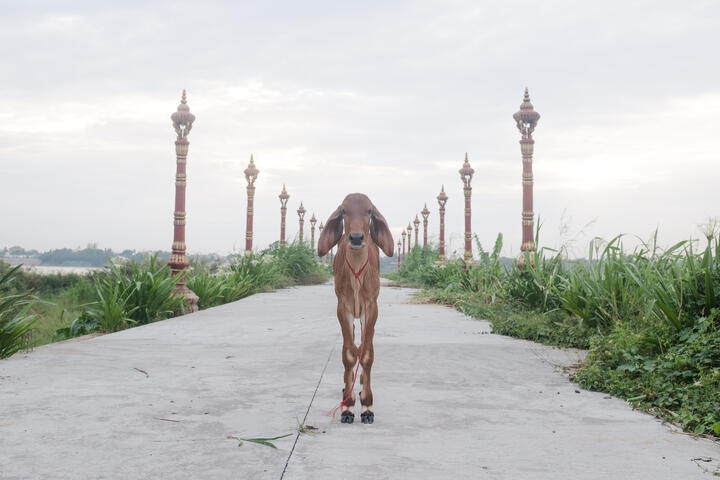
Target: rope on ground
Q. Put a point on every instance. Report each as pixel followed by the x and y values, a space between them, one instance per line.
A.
pixel 307 412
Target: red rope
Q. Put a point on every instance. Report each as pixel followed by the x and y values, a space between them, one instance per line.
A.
pixel 362 329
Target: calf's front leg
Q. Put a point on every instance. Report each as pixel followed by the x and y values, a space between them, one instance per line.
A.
pixel 349 358
pixel 368 356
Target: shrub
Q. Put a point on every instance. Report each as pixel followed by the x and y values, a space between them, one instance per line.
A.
pixel 15 319
pixel 210 288
pixel 42 284
pixel 294 263
pixel 249 273
pixel 129 294
pixel 675 376
pixel 649 317
pixel 146 290
pixel 112 310
pixel 81 325
pixel 137 293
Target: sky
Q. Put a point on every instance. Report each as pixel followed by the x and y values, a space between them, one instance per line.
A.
pixel 331 98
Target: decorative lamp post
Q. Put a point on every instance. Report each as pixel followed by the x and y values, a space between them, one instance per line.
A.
pixel 321 228
pixel 404 234
pixel 466 173
pixel 251 173
pixel 283 211
pixel 182 121
pixel 442 199
pixel 416 222
pixel 313 221
pixel 409 237
pixel 301 214
pixel 399 254
pixel 526 119
pixel 425 213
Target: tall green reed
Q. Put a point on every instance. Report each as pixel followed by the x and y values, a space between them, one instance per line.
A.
pixel 16 321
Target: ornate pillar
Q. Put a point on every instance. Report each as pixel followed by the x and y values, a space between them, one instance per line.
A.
pixel 416 222
pixel 442 199
pixel 320 228
pixel 399 254
pixel 409 237
pixel 283 211
pixel 182 121
pixel 313 221
pixel 251 174
pixel 466 173
pixel 425 213
pixel 526 120
pixel 301 214
pixel 404 234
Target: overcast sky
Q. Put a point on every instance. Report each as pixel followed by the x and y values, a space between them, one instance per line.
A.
pixel 332 97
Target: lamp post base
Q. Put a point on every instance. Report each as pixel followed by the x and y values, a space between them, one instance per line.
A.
pixel 191 299
pixel 526 257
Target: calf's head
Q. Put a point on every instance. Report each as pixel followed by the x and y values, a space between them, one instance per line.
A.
pixel 361 222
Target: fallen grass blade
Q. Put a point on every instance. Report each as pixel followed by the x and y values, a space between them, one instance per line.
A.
pixel 260 441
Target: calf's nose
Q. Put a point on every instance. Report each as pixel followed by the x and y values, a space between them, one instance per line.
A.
pixel 356 239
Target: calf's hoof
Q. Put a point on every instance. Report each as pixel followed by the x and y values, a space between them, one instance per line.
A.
pixel 367 417
pixel 347 417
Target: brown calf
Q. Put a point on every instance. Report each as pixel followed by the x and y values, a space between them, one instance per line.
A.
pixel 358 228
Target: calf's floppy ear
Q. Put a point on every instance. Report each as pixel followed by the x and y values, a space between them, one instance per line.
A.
pixel 332 232
pixel 380 232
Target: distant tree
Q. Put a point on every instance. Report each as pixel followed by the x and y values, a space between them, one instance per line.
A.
pixel 89 257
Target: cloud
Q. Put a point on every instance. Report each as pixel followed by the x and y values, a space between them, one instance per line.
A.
pixel 56 24
pixel 382 98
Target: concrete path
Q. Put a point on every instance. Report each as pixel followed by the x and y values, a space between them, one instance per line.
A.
pixel 451 401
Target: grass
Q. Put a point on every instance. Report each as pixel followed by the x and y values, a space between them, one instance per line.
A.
pixel 260 440
pixel 277 266
pixel 145 291
pixel 58 297
pixel 650 318
pixel 56 307
pixel 16 320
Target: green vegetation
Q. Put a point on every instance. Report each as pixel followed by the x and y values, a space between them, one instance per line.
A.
pixel 134 293
pixel 15 319
pixel 266 441
pixel 275 267
pixel 650 318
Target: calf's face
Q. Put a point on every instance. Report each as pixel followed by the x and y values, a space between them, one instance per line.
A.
pixel 360 220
